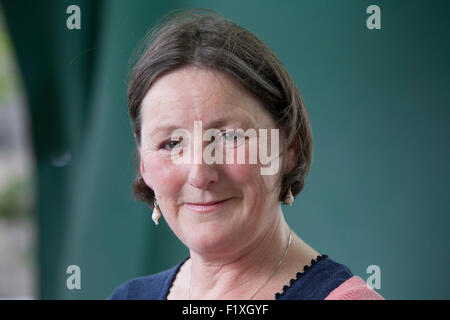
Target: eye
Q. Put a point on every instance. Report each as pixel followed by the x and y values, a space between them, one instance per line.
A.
pixel 228 135
pixel 170 144
pixel 233 137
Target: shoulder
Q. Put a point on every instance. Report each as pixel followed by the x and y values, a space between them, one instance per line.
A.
pixel 316 281
pixel 354 289
pixel 152 287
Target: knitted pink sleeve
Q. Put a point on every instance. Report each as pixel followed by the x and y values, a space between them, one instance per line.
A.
pixel 354 288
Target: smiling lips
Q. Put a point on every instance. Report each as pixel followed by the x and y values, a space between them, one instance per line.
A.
pixel 207 206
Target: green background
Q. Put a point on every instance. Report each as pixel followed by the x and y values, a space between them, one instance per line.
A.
pixel 378 192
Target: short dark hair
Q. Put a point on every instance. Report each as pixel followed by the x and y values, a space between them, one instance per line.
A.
pixel 204 39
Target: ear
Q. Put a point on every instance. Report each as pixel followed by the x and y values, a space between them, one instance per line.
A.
pixel 290 160
pixel 144 172
pixel 135 140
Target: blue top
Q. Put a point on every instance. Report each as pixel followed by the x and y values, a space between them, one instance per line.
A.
pixel 315 282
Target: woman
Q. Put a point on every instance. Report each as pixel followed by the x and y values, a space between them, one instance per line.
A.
pixel 203 72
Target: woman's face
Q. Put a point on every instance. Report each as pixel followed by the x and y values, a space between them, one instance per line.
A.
pixel 176 100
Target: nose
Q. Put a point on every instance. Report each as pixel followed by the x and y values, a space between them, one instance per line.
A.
pixel 203 175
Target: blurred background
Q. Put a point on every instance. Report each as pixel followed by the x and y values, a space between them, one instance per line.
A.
pixel 379 103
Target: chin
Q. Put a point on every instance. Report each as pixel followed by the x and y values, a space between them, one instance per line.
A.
pixel 210 241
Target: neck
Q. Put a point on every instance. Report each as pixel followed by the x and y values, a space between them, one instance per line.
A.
pixel 238 275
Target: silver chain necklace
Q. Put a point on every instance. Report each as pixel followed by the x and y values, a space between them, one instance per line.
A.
pixel 265 282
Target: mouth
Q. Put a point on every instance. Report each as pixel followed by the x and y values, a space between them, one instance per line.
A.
pixel 207 207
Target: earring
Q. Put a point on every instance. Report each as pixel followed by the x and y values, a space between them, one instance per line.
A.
pixel 289 199
pixel 156 212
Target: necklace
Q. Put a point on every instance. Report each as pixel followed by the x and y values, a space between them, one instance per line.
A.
pixel 265 282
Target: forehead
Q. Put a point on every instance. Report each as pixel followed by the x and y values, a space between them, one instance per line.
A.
pixel 191 94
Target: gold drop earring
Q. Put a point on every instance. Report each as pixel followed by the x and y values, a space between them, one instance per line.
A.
pixel 289 199
pixel 156 212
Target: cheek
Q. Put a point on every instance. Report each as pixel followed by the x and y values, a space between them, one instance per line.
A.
pixel 241 174
pixel 249 178
pixel 250 174
pixel 164 175
pixel 258 197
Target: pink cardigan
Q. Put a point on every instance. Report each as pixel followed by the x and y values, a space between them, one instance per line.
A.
pixel 354 288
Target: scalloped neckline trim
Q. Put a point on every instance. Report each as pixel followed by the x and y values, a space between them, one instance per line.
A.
pixel 299 275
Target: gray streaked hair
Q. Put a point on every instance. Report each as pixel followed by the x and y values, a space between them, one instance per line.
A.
pixel 205 39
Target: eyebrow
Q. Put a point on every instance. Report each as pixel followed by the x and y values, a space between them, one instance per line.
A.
pixel 213 124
